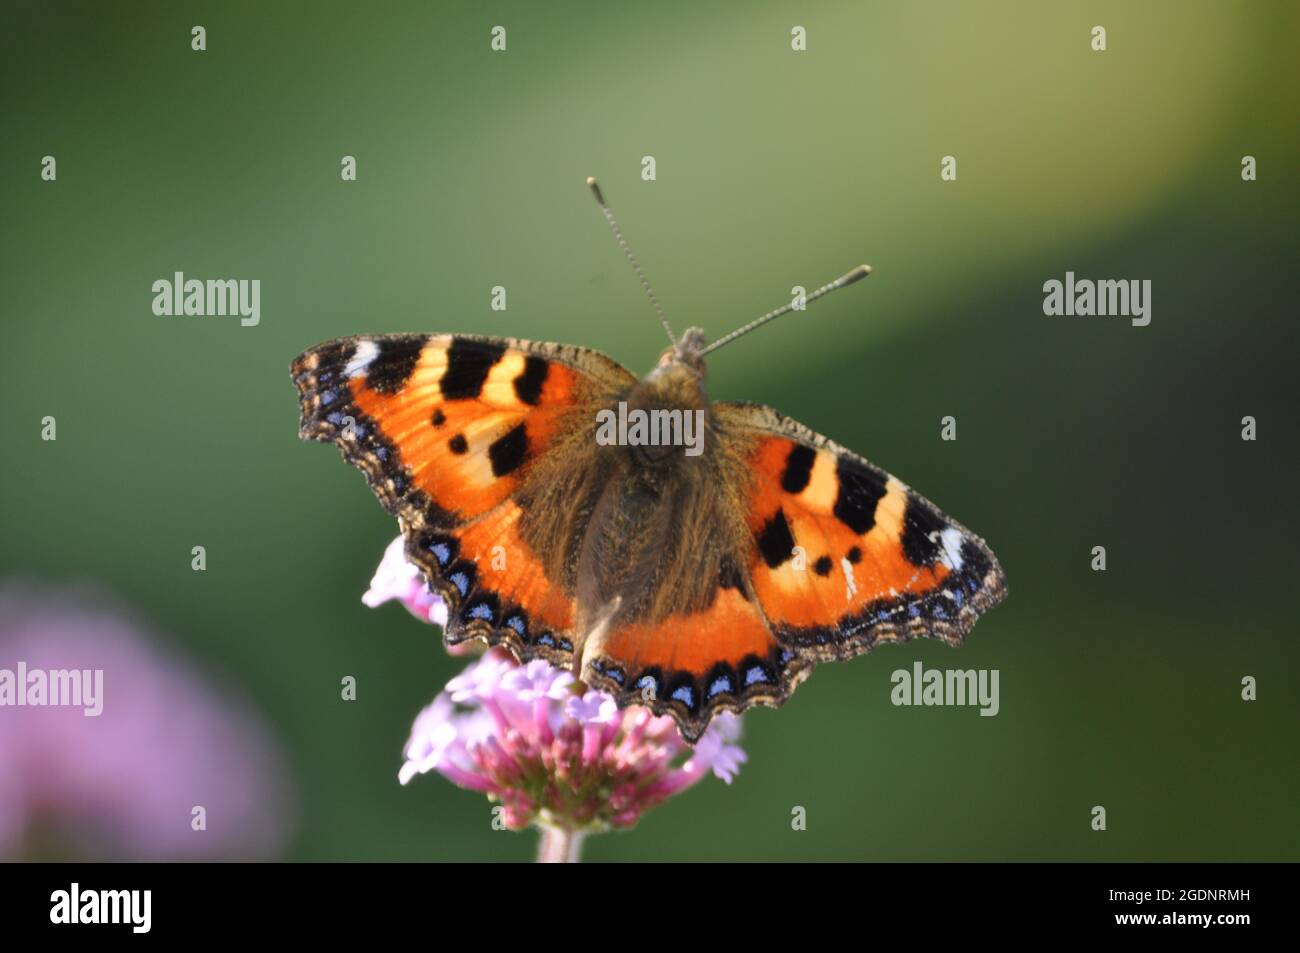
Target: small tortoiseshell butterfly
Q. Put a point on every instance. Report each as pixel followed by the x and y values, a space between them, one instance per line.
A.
pixel 691 583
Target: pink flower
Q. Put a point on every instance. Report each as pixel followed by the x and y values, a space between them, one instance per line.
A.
pixel 397 578
pixel 534 739
pixel 552 756
pixel 125 783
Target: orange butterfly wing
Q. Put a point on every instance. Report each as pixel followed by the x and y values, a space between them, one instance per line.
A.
pixel 837 557
pixel 846 556
pixel 447 430
pixel 693 665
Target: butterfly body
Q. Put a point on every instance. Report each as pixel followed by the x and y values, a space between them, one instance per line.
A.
pixel 692 582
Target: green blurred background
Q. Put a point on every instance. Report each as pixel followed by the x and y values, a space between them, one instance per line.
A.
pixel 775 168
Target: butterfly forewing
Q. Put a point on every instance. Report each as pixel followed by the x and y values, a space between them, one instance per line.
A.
pixel 449 429
pixel 845 555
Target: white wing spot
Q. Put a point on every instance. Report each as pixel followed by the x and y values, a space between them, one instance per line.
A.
pixel 852 587
pixel 950 540
pixel 365 353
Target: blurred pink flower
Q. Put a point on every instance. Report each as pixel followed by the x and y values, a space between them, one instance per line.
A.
pixel 124 784
pixel 396 578
pixel 553 755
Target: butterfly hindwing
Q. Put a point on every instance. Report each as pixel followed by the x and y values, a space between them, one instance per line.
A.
pixel 496 588
pixel 693 665
pixel 448 430
pixel 846 556
pixel 833 557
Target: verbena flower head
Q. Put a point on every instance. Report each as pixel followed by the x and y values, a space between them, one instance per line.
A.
pixel 552 754
pixel 532 738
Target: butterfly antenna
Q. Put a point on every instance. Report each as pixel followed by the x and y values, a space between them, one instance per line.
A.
pixel 622 243
pixel 857 274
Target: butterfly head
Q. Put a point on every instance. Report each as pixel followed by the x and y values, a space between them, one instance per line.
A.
pixel 687 351
pixel 677 379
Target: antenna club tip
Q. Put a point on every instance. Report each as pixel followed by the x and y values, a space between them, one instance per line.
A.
pixel 857 274
pixel 595 189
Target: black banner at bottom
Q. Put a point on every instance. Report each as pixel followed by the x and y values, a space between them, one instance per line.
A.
pixel 136 902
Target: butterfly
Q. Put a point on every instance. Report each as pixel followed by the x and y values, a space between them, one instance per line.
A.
pixel 693 583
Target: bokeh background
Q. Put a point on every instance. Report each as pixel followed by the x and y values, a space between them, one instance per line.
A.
pixel 775 168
